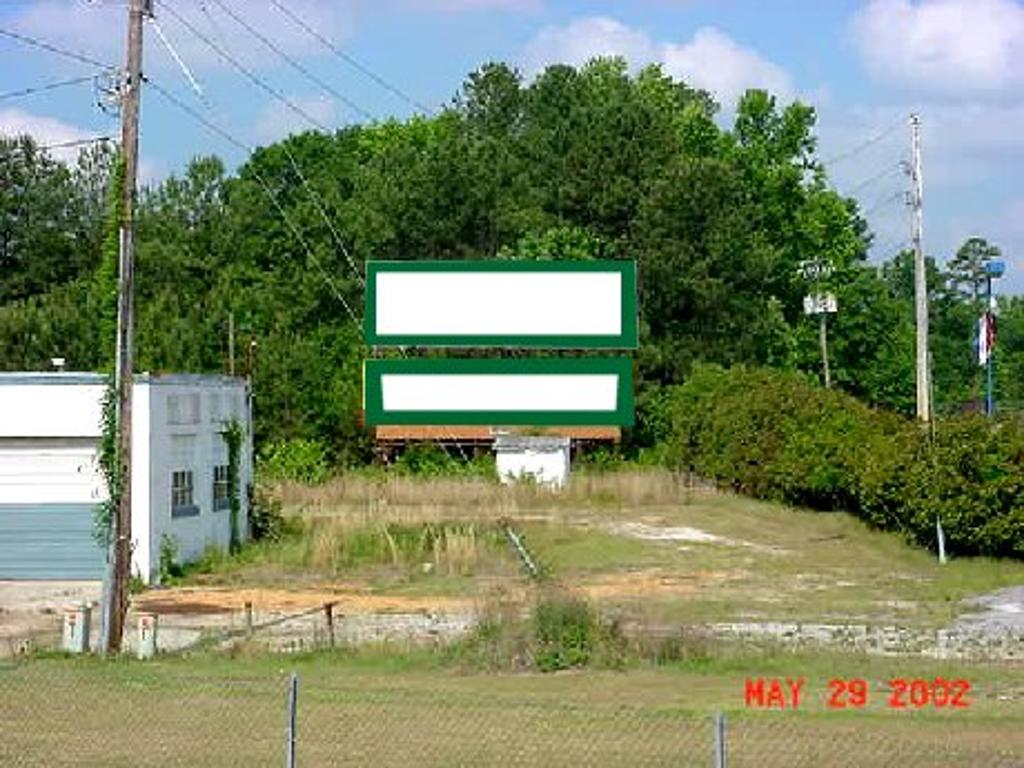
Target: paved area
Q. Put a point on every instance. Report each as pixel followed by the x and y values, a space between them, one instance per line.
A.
pixel 998 612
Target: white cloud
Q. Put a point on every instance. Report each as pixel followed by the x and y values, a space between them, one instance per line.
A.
pixel 279 121
pixel 45 130
pixel 944 45
pixel 710 59
pixel 585 39
pixel 50 130
pixel 715 61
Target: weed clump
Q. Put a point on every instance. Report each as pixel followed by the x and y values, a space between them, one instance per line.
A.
pixel 561 631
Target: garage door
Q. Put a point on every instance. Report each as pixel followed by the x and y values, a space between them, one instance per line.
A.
pixel 49 488
pixel 48 541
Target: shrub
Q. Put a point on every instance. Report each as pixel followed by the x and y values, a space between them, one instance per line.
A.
pixel 775 436
pixel 431 460
pixel 566 631
pixel 562 632
pixel 298 460
pixel 266 521
pixel 168 567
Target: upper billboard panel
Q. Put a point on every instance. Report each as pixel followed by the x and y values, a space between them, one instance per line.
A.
pixel 553 304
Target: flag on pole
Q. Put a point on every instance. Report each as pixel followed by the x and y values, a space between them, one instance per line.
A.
pixel 985 337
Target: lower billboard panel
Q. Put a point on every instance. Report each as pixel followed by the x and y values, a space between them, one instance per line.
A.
pixel 553 391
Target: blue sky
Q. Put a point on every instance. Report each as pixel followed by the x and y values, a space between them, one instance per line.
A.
pixel 864 64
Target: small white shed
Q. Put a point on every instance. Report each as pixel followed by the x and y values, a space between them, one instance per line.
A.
pixel 545 460
pixel 50 483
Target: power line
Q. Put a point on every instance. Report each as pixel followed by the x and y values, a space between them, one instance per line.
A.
pixel 884 173
pixel 37 43
pixel 76 143
pixel 348 59
pixel 46 87
pixel 313 195
pixel 858 148
pixel 882 201
pixel 245 71
pixel 211 126
pixel 291 60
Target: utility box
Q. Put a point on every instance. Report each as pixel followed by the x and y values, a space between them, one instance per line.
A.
pixel 545 460
pixel 76 628
pixel 147 623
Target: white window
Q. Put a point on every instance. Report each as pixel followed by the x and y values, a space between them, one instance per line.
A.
pixel 221 488
pixel 183 409
pixel 182 500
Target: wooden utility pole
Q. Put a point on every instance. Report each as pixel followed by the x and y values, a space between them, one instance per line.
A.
pixel 231 343
pixel 924 406
pixel 131 92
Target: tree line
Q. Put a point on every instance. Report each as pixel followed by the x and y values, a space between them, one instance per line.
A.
pixel 579 163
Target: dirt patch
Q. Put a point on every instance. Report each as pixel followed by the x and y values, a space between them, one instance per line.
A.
pixel 210 600
pixel 651 583
pixel 683 534
pixel 31 611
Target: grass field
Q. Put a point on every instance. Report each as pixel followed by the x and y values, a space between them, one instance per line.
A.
pixel 380 708
pixel 636 546
pixel 637 543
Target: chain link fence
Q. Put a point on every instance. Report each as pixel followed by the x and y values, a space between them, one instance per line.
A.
pixel 175 714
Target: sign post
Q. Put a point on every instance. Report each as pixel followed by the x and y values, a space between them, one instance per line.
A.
pixel 820 304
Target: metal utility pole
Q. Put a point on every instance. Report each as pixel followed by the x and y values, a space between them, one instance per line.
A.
pixel 823 338
pixel 131 91
pixel 820 304
pixel 924 405
pixel 993 269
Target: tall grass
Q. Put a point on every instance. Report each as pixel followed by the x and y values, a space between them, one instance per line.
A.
pixel 335 545
pixel 343 547
pixel 360 500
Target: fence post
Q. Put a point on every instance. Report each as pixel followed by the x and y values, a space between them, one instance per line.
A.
pixel 329 612
pixel 293 695
pixel 718 729
pixel 248 618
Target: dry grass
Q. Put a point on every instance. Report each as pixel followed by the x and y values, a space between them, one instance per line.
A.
pixel 767 562
pixel 361 500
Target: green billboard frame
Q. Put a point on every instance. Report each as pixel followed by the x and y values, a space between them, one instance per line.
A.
pixel 627 338
pixel 622 367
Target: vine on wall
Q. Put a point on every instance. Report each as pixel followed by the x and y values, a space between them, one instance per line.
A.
pixel 233 435
pixel 105 297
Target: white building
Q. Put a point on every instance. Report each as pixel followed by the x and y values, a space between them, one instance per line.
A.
pixel 545 460
pixel 50 483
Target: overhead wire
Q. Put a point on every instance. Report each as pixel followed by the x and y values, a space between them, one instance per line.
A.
pixel 297 169
pixel 76 142
pixel 221 50
pixel 349 59
pixel 42 44
pixel 46 87
pixel 242 69
pixel 882 201
pixel 267 189
pixel 297 66
pixel 882 174
pixel 858 148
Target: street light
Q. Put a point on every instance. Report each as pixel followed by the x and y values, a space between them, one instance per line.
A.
pixel 993 271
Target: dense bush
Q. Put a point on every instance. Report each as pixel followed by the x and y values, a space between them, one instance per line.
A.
pixel 431 460
pixel 778 437
pixel 562 631
pixel 299 460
